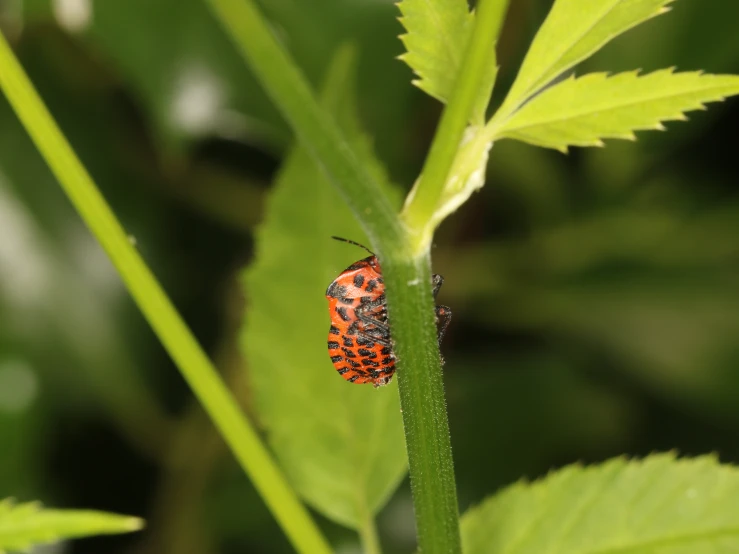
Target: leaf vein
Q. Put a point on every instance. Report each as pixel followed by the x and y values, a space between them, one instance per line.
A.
pixel 616 107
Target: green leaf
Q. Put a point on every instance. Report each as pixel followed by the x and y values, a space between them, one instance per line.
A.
pixel 25 525
pixel 435 42
pixel 340 444
pixel 659 505
pixel 572 32
pixel 437 37
pixel 581 112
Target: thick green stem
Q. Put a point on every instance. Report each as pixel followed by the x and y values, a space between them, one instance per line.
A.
pixel 411 310
pixel 418 214
pixel 157 308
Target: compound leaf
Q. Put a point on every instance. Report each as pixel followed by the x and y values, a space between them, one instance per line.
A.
pixel 24 525
pixel 583 111
pixel 435 42
pixel 340 444
pixel 572 32
pixel 659 505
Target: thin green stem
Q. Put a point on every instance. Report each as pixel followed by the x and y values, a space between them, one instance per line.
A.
pixel 418 212
pixel 157 308
pixel 370 539
pixel 315 129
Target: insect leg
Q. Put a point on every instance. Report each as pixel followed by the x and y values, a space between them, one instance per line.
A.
pixel 443 317
pixel 374 339
pixel 436 282
pixel 378 319
pixel 375 327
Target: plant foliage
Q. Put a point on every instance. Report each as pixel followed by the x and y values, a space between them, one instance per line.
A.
pixel 342 446
pixel 582 112
pixel 659 505
pixel 23 526
pixel 574 31
pixel 438 34
pixel 575 112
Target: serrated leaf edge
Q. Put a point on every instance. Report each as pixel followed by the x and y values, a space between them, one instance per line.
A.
pixel 496 130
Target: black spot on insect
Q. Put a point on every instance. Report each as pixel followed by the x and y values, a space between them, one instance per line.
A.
pixel 362 341
pixel 342 313
pixel 334 330
pixel 389 370
pixel 388 360
pixel 335 359
pixel 336 290
pixel 365 361
pixel 358 280
pixel 365 299
pixel 365 352
pixel 353 378
pixel 353 328
pixel 348 353
pixel 357 265
pixel 386 351
pixel 371 285
pixel 348 301
pixel 354 364
pixel 333 345
pixel 348 341
pixel 380 280
pixel 342 370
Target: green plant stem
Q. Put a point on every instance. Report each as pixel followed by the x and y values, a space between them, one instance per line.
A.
pixel 158 310
pixel 418 212
pixel 370 539
pixel 315 129
pixel 411 310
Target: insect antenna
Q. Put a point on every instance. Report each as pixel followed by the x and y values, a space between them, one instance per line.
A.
pixel 354 243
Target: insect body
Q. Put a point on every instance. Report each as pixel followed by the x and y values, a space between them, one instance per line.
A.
pixel 359 341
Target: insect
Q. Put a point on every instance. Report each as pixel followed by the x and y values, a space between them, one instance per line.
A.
pixel 359 341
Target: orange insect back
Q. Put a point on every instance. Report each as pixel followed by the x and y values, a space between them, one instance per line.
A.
pixel 359 341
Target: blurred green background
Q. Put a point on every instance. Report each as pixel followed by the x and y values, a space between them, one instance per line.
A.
pixel 595 295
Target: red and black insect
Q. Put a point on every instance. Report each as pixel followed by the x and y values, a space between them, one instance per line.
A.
pixel 359 341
